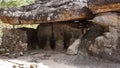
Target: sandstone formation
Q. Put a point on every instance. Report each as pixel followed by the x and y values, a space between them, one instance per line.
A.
pixel 101 6
pixel 47 11
pixel 108 42
pixel 100 37
pixel 14 41
pixel 73 48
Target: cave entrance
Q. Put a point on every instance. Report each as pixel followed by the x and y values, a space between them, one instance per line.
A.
pixel 62 35
pixel 58 36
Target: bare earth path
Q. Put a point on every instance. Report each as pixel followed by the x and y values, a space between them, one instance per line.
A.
pixel 54 59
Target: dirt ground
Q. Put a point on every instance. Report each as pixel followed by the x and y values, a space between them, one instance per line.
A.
pixel 57 59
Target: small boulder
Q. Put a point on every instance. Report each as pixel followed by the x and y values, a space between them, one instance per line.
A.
pixel 73 49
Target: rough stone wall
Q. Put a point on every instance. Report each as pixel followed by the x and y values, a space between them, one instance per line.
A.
pixel 14 40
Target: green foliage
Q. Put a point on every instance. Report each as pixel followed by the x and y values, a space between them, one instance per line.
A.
pixel 15 3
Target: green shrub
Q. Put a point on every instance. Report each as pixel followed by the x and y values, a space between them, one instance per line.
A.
pixel 15 3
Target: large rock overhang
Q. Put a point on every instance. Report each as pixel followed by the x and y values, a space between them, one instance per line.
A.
pixel 101 6
pixel 70 15
pixel 51 11
pixel 58 11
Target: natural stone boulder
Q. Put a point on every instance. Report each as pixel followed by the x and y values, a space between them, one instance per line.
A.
pixel 98 43
pixel 108 19
pixel 106 44
pixel 14 40
pixel 89 37
pixel 73 48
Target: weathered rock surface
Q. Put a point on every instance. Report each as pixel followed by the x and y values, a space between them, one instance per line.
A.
pixel 108 19
pixel 14 40
pixel 106 44
pixel 89 37
pixel 101 6
pixel 47 11
pixel 73 48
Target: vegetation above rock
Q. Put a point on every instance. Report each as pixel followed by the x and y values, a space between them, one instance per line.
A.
pixel 15 3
